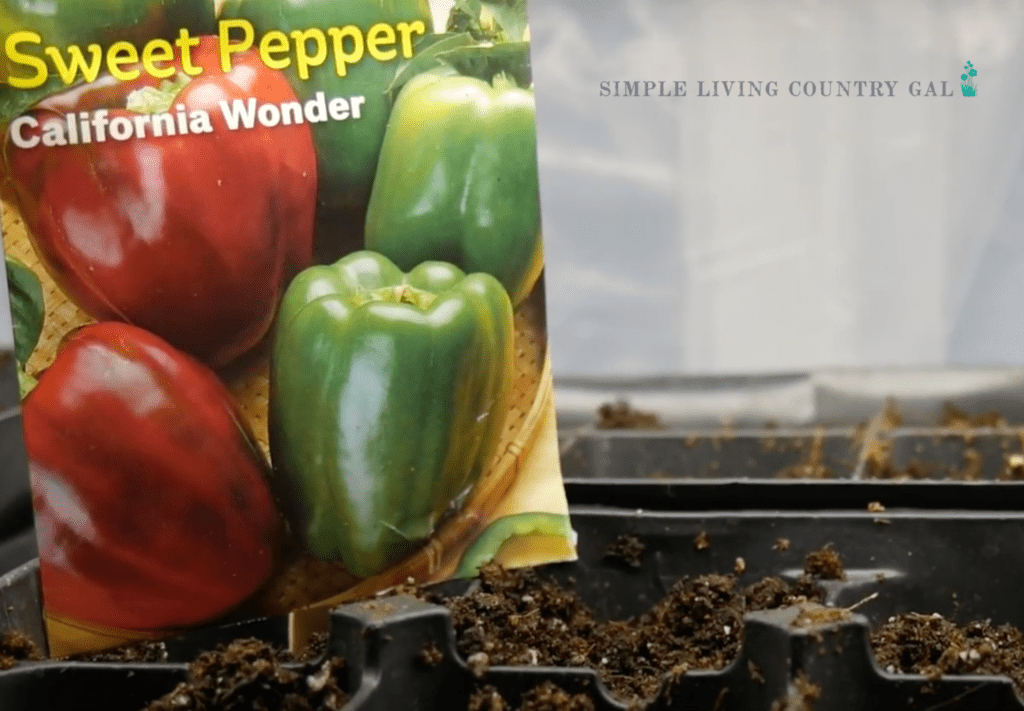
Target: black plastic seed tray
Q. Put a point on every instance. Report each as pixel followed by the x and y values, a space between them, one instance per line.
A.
pixel 898 455
pixel 835 398
pixel 750 454
pixel 18 549
pixel 978 455
pixel 924 560
pixel 15 495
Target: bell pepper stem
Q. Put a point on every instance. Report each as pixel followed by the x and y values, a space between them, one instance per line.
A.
pixel 401 294
pixel 26 383
pixel 153 100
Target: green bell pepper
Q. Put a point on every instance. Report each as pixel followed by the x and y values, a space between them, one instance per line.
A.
pixel 457 179
pixel 346 150
pixel 388 396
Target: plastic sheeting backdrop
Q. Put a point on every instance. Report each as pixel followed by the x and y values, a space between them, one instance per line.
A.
pixel 780 233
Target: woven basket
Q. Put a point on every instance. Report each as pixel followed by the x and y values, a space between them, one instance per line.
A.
pixel 306 581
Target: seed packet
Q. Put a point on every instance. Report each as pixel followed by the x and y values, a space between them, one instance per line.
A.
pixel 277 293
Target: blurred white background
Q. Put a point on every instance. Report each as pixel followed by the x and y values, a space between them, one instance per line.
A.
pixel 740 235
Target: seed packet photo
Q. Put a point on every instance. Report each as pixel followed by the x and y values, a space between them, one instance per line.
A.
pixel 276 284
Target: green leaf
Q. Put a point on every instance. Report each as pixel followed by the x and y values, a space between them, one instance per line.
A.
pixel 509 22
pixel 465 17
pixel 510 16
pixel 27 308
pixel 427 57
pixel 14 102
pixel 486 61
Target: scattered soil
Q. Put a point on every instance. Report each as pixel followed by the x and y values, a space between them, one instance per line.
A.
pixel 431 655
pixel 622 416
pixel 825 564
pixel 517 618
pixel 544 697
pixel 250 674
pixel 891 417
pixel 156 652
pixel 702 542
pixel 811 466
pixel 971 468
pixel 142 652
pixel 1014 468
pixel 487 698
pixel 934 646
pixel 17 647
pixel 627 550
pixel 549 697
pixel 880 466
pixel 316 649
pixel 869 437
pixel 801 696
pixel 955 418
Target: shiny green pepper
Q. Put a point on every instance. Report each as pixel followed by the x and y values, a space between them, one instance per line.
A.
pixel 388 396
pixel 457 179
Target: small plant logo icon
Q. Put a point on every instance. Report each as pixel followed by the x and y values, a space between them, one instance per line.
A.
pixel 967 85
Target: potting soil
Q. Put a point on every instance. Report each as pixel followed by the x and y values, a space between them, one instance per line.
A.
pixel 544 697
pixel 626 550
pixel 934 646
pixel 249 674
pixel 16 647
pixel 622 416
pixel 517 618
pixel 141 652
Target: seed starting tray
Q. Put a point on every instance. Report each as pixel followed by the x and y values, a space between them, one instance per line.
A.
pixel 928 518
pixel 945 561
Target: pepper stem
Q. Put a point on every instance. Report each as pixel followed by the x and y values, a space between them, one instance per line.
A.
pixel 153 100
pixel 401 294
pixel 503 82
pixel 26 383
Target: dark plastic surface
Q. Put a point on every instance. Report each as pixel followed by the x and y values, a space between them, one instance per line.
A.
pixel 914 560
pixel 18 549
pixel 15 496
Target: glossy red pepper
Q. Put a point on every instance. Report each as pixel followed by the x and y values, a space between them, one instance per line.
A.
pixel 192 236
pixel 152 503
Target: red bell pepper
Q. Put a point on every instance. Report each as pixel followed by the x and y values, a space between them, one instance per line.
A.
pixel 152 503
pixel 192 236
